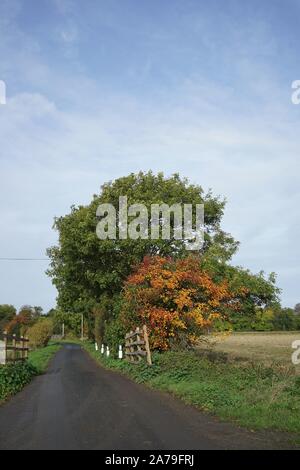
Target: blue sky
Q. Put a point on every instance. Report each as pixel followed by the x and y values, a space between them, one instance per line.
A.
pixel 97 89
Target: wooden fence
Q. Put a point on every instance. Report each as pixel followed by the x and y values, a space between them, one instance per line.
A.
pixel 137 346
pixel 13 349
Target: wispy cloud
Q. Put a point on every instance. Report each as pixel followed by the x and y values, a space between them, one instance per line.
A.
pixel 69 34
pixel 64 7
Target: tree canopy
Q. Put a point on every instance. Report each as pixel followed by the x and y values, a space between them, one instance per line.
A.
pixel 83 267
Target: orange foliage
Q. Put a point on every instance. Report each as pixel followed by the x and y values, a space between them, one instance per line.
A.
pixel 20 323
pixel 175 299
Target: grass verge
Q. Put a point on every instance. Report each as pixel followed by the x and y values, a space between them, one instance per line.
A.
pixel 14 376
pixel 251 395
pixel 40 358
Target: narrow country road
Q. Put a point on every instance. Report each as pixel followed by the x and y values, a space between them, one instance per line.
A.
pixel 78 405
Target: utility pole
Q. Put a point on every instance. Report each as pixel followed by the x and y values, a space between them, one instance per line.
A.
pixel 82 325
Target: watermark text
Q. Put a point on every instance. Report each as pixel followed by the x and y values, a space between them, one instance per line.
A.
pixel 296 353
pixel 2 92
pixel 296 93
pixel 177 222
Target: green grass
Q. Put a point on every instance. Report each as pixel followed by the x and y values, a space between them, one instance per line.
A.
pixel 252 395
pixel 40 358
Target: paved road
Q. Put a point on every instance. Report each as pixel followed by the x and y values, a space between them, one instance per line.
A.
pixel 78 405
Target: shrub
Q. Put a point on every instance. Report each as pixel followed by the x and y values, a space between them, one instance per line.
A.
pixel 114 331
pixel 13 377
pixel 40 333
pixel 176 299
pixel 114 336
pixel 101 311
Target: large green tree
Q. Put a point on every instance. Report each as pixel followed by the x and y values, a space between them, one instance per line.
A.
pixel 86 270
pixel 83 268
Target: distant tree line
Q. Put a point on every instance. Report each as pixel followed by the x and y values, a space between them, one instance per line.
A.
pixel 271 318
pixel 18 322
pixel 28 321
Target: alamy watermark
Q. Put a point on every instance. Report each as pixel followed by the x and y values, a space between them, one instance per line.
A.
pixel 2 92
pixel 295 97
pixel 163 222
pixel 296 353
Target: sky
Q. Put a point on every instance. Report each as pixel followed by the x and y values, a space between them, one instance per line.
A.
pixel 99 89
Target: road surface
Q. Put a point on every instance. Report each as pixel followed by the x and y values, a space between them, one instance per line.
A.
pixel 79 405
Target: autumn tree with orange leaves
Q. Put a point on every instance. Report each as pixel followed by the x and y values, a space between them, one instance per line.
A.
pixel 176 299
pixel 21 322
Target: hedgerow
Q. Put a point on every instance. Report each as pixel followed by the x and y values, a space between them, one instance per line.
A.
pixel 13 377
